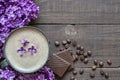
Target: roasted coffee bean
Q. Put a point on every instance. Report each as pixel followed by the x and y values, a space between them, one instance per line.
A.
pixel 74 72
pixel 61 49
pixel 102 72
pixel 109 62
pixel 94 67
pixel 101 64
pixel 64 42
pixel 81 71
pixel 57 43
pixel 81 48
pixel 75 57
pixel 67 46
pixel 89 53
pixel 95 62
pixel 72 78
pixel 82 57
pixel 68 41
pixel 75 79
pixel 78 52
pixel 106 75
pixel 85 60
pixel 74 43
pixel 78 47
pixel 85 55
pixel 92 74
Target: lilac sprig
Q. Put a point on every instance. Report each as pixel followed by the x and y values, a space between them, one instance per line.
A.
pixel 32 50
pixel 25 42
pixel 15 14
pixel 21 51
pixel 44 73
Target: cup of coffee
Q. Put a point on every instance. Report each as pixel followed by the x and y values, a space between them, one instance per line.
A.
pixel 26 49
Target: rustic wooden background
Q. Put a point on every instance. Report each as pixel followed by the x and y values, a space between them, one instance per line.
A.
pixel 95 24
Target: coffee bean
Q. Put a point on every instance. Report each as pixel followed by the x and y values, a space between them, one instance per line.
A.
pixel 82 57
pixel 78 52
pixel 68 41
pixel 106 75
pixel 74 43
pixel 94 67
pixel 82 48
pixel 75 57
pixel 78 47
pixel 66 46
pixel 109 62
pixel 85 60
pixel 81 71
pixel 89 53
pixel 101 64
pixel 85 55
pixel 92 75
pixel 96 62
pixel 64 42
pixel 102 72
pixel 75 79
pixel 57 43
pixel 61 49
pixel 72 78
pixel 74 72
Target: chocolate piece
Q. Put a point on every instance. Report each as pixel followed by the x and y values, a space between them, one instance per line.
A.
pixel 106 75
pixel 64 42
pixel 85 60
pixel 82 48
pixel 72 78
pixel 89 53
pixel 81 71
pixel 78 47
pixel 102 72
pixel 109 62
pixel 68 41
pixel 94 67
pixel 78 52
pixel 58 65
pixel 82 57
pixel 74 72
pixel 101 64
pixel 57 43
pixel 74 43
pixel 92 75
pixel 95 62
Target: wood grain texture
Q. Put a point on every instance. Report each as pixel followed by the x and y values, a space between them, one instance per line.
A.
pixel 79 11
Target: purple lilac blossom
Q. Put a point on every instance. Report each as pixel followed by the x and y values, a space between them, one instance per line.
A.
pixel 15 14
pixel 32 49
pixel 25 42
pixel 44 73
pixel 21 51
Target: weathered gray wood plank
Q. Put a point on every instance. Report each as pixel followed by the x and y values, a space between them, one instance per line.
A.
pixel 79 11
pixel 103 40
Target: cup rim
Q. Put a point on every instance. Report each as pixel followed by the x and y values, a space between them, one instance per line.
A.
pixel 32 27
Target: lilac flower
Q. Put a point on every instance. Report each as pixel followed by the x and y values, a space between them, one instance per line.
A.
pixel 21 51
pixel 25 42
pixel 32 50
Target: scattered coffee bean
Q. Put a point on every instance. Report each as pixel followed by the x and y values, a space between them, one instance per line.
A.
pixel 81 71
pixel 75 57
pixel 109 62
pixel 101 64
pixel 78 52
pixel 81 48
pixel 74 72
pixel 85 60
pixel 64 42
pixel 78 47
pixel 66 46
pixel 74 43
pixel 72 78
pixel 94 67
pixel 102 72
pixel 75 79
pixel 82 57
pixel 85 55
pixel 61 49
pixel 89 53
pixel 92 75
pixel 57 43
pixel 106 75
pixel 96 62
pixel 68 41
